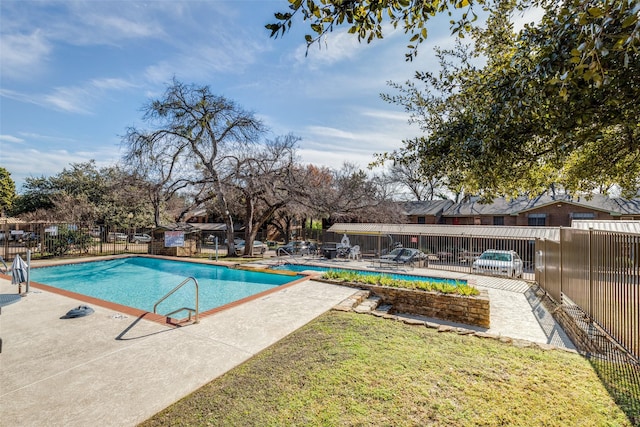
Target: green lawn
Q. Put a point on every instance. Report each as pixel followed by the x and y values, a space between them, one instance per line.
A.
pixel 346 369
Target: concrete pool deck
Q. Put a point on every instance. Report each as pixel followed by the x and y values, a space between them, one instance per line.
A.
pixel 111 369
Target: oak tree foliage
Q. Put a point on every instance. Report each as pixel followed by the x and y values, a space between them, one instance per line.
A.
pixel 512 112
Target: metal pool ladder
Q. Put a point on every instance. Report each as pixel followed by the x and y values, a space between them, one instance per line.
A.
pixel 190 310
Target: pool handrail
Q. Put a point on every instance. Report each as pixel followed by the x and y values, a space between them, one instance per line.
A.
pixel 190 310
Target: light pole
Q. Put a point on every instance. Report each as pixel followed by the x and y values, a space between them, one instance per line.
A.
pixel 129 218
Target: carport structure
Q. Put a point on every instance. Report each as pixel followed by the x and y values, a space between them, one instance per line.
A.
pixel 448 247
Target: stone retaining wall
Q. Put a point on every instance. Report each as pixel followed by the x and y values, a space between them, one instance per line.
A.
pixel 470 310
pixel 576 332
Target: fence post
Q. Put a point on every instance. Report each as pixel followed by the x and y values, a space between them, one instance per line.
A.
pixel 544 263
pixel 471 252
pixel 590 254
pixel 560 266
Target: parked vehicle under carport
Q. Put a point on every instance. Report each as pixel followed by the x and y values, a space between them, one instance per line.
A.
pixel 507 263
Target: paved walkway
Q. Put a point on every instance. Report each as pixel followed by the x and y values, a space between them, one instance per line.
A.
pixel 110 369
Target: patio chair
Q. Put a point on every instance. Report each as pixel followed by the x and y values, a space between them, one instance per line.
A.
pixel 354 252
pixel 343 252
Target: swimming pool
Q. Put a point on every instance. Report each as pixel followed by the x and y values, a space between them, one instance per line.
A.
pixel 139 282
pixel 297 268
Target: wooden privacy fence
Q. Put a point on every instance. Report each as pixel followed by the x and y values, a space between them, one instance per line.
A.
pixel 599 273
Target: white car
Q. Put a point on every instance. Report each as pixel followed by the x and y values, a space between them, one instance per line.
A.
pixel 258 247
pixel 507 263
pixel 140 238
pixel 116 237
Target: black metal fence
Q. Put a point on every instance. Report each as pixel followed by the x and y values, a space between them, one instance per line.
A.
pixel 47 240
pixel 597 272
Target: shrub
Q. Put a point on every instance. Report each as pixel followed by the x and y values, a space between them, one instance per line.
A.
pixel 460 288
pixel 67 239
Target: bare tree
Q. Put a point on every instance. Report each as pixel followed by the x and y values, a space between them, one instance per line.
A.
pixel 65 208
pixel 283 221
pixel 312 187
pixel 349 194
pixel 161 170
pixel 265 182
pixel 192 132
pixel 412 184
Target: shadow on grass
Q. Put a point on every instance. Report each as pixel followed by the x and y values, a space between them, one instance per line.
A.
pixel 621 376
pixel 617 368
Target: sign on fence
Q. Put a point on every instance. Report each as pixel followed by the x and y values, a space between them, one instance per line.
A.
pixel 173 239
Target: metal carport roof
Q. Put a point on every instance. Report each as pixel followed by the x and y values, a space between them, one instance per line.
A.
pixel 487 231
pixel 620 226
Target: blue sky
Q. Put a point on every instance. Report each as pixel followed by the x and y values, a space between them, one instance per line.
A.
pixel 75 74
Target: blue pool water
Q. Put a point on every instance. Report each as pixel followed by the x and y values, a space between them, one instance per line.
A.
pixel 141 282
pixel 297 268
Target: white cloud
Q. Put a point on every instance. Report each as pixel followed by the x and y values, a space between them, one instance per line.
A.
pixel 105 23
pixel 70 99
pixel 334 47
pixel 48 139
pixel 222 56
pixel 386 115
pixel 34 99
pixel 334 159
pixel 125 28
pixel 341 46
pixel 360 141
pixel 79 99
pixel 159 73
pixel 327 132
pixel 11 139
pixel 23 54
pixel 82 99
pixel 110 84
pixel 207 52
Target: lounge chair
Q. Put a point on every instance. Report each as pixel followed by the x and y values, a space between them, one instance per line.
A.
pixel 400 256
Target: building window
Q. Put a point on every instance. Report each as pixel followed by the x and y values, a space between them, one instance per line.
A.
pixel 422 220
pixel 583 215
pixel 537 220
pixel 498 220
